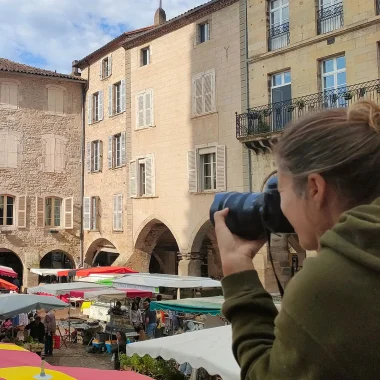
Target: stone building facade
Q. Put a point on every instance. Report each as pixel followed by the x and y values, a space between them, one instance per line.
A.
pixel 40 169
pixel 300 57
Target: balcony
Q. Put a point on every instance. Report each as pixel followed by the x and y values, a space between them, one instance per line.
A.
pixel 330 18
pixel 279 36
pixel 260 126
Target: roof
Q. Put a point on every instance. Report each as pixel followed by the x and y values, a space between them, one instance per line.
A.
pixel 15 67
pixel 111 46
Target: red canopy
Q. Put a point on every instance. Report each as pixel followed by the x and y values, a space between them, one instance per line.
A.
pixel 95 270
pixel 7 285
pixel 6 271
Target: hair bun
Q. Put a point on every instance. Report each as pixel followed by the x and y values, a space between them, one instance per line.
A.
pixel 365 111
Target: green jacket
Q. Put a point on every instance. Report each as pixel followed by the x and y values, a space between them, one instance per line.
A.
pixel 329 323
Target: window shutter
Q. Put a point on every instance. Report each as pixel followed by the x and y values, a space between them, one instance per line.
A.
pixel 101 69
pixel 132 179
pixel 123 148
pixel 101 110
pixel 192 169
pixel 12 147
pixel 59 101
pixel 89 107
pixel 51 99
pixel 198 96
pixel 60 155
pixel 221 168
pixel 21 213
pixel 100 155
pixel 40 212
pixel 94 212
pixel 19 152
pixel 88 157
pixel 208 31
pixel 115 202
pixel 148 108
pixel 149 175
pixel 208 92
pixel 110 102
pixel 49 154
pixel 140 110
pixel 123 96
pixel 13 95
pixel 68 207
pixel 86 213
pixel 120 212
pixel 3 150
pixel 4 94
pixel 110 151
pixel 109 65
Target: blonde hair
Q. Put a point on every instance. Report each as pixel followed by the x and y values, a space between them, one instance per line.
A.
pixel 343 145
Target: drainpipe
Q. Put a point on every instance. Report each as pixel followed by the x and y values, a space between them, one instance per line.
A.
pixel 84 89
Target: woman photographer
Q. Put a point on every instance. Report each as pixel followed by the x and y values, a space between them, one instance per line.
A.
pixel 329 324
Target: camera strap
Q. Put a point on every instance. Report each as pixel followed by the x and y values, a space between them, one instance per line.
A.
pixel 280 288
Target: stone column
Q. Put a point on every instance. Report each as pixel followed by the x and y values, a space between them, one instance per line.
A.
pixel 189 264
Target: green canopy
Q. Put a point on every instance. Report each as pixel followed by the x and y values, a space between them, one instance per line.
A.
pixel 106 281
pixel 205 305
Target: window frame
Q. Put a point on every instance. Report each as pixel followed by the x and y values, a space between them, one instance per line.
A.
pixel 95 158
pixel 279 8
pixel 141 188
pixel 106 67
pixel 56 89
pixel 335 72
pixel 52 216
pixel 144 50
pixel 117 98
pixel 95 106
pixel 202 153
pixel 15 85
pixel 207 32
pixel 117 151
pixel 5 212
pixel 203 76
pixel 148 92
pixel 117 212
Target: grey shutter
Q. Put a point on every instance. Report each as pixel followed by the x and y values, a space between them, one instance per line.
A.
pixel 40 212
pixel 110 101
pixel 94 212
pixel 123 148
pixel 110 152
pixel 109 65
pixel 89 107
pixel 123 96
pixel 100 155
pixel 140 117
pixel 148 109
pixel 21 212
pixel 88 157
pixel 115 209
pixel 192 170
pixel 101 105
pixel 208 92
pixel 86 213
pixel 149 175
pixel 68 209
pixel 101 69
pixel 198 96
pixel 221 168
pixel 132 179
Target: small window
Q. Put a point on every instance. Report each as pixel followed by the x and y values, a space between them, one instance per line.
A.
pixel 106 67
pixel 90 213
pixel 8 95
pixel 281 91
pixel 7 210
pixel 53 208
pixel 144 109
pixel 145 56
pixel 203 32
pixel 204 93
pixel 208 171
pixel 334 81
pixel 117 150
pixel 118 212
pixel 95 155
pixel 95 106
pixel 10 149
pixel 142 177
pixel 54 158
pixel 55 100
pixel 117 97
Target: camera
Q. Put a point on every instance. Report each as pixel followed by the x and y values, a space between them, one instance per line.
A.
pixel 253 215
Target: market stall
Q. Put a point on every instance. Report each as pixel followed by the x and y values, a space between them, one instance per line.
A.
pixel 7 272
pixel 96 270
pixel 64 288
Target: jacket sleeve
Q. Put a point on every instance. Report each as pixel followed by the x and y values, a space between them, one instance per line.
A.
pixel 269 345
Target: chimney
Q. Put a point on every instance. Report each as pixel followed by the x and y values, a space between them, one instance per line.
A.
pixel 75 69
pixel 160 15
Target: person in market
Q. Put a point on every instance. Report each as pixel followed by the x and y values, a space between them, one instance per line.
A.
pixel 116 310
pixel 328 326
pixel 160 320
pixel 36 331
pixel 142 336
pixel 135 316
pixel 150 320
pixel 6 328
pixel 50 330
pixel 119 348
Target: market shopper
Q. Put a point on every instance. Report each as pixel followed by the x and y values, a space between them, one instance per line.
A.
pixel 50 330
pixel 119 348
pixel 328 327
pixel 36 330
pixel 135 316
pixel 150 320
pixel 116 310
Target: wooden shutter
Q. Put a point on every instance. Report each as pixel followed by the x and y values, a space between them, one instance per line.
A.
pixel 115 204
pixel 101 110
pixel 109 65
pixel 101 69
pixel 3 150
pixel 88 157
pixel 123 96
pixel 49 154
pixel 89 108
pixel 149 176
pixel 21 212
pixel 94 213
pixel 68 208
pixel 192 170
pixel 4 93
pixel 40 212
pixel 51 99
pixel 59 101
pixel 208 92
pixel 148 106
pixel 123 148
pixel 100 155
pixel 86 213
pixel 221 168
pixel 132 179
pixel 197 96
pixel 110 101
pixel 110 152
pixel 12 148
pixel 120 212
pixel 140 111
pixel 59 155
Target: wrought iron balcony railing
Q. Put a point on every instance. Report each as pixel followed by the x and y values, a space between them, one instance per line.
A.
pixel 330 18
pixel 272 118
pixel 279 36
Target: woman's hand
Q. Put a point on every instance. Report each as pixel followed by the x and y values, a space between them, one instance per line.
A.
pixel 236 253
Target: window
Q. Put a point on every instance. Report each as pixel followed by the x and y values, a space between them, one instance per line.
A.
pixel 330 15
pixel 90 213
pixel 116 150
pixel 54 148
pixel 334 81
pixel 204 93
pixel 281 91
pixel 116 98
pixel 207 168
pixel 203 32
pixel 279 24
pixel 10 149
pixel 55 100
pixel 142 177
pixel 8 95
pixel 7 210
pixel 95 107
pixel 145 56
pixel 94 156
pixel 144 109
pixel 54 212
pixel 118 212
pixel 105 69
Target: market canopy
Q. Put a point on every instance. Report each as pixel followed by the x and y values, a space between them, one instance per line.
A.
pixel 92 294
pixel 96 270
pixel 105 279
pixel 209 349
pixel 14 304
pixel 45 272
pixel 150 281
pixel 8 272
pixel 7 285
pixel 64 288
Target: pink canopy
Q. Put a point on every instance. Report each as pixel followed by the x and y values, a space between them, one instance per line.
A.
pixel 8 272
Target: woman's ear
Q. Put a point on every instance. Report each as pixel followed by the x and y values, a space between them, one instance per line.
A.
pixel 316 189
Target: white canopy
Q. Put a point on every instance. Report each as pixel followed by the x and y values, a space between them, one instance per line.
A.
pixel 45 272
pixel 210 349
pixel 147 280
pixel 93 278
pixel 14 304
pixel 58 289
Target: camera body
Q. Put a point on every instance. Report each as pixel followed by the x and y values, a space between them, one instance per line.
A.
pixel 253 215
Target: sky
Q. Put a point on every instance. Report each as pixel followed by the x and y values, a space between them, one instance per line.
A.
pixel 50 34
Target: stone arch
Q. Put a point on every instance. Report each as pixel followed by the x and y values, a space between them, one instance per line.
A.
pixel 156 248
pixel 57 259
pixel 101 252
pixel 10 258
